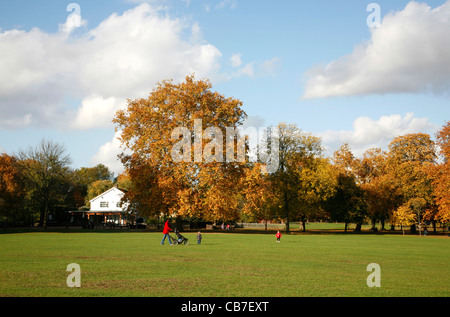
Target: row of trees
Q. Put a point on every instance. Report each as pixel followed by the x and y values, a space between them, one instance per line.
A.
pixel 405 185
pixel 38 182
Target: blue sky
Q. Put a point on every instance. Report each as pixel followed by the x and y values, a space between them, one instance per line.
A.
pixel 314 63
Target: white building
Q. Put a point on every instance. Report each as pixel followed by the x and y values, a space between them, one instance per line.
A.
pixel 110 201
pixel 106 209
pixel 110 207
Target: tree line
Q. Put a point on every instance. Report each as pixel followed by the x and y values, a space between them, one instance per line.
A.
pixel 406 185
pixel 37 185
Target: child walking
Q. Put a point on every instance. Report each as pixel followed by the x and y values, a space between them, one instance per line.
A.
pixel 199 238
pixel 278 235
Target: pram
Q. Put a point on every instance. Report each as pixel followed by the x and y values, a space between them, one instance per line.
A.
pixel 180 239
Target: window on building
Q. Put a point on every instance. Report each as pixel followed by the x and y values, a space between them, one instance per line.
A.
pixel 104 204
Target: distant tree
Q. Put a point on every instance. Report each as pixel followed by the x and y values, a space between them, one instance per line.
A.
pixel 12 193
pixel 404 216
pixel 440 175
pixel 44 167
pixel 124 181
pixel 84 177
pixel 410 158
pixel 299 152
pixel 382 191
pixel 318 182
pixel 97 188
pixel 348 202
pixel 259 194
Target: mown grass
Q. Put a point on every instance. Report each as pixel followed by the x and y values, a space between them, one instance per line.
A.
pixel 225 264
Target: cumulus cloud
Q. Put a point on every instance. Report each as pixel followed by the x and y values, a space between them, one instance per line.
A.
pixel 108 155
pixel 121 58
pixel 368 133
pixel 408 53
pixel 96 111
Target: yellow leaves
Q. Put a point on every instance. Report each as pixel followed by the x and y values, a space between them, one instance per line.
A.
pixel 190 187
pixel 404 216
pixel 9 175
pixel 408 213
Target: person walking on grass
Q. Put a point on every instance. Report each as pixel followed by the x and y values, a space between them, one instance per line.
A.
pixel 166 232
pixel 199 238
pixel 278 235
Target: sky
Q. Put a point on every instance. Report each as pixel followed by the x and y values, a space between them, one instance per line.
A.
pixel 356 72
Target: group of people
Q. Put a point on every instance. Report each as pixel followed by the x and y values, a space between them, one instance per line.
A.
pixel 167 230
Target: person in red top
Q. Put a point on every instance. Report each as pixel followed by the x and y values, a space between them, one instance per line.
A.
pixel 278 235
pixel 166 232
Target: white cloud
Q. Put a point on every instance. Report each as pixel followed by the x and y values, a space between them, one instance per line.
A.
pixel 108 155
pixel 236 60
pixel 121 58
pixel 408 53
pixel 96 112
pixel 253 69
pixel 368 133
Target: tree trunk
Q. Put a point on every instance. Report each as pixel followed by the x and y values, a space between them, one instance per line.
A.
pixel 345 229
pixel 45 214
pixel 179 224
pixel 374 223
pixel 304 225
pixel 286 212
pixel 358 227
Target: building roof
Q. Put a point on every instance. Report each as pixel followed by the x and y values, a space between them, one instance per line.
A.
pixel 108 191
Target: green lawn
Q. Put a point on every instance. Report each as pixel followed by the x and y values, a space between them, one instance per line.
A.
pixel 135 264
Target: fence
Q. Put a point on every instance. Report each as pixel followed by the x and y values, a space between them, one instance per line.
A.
pixel 261 226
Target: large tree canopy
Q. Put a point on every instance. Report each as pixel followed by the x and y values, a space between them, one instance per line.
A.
pixel 174 150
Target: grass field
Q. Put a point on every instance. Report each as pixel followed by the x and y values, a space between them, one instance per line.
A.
pixel 224 265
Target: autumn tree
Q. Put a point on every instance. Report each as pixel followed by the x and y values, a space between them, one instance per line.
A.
pixel 12 191
pixel 45 168
pixel 381 190
pixel 410 158
pixel 440 175
pixel 84 177
pixel 174 153
pixel 348 202
pixel 299 168
pixel 317 182
pixel 97 188
pixel 260 200
pixel 404 216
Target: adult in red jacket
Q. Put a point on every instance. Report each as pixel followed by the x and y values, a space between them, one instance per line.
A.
pixel 166 231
